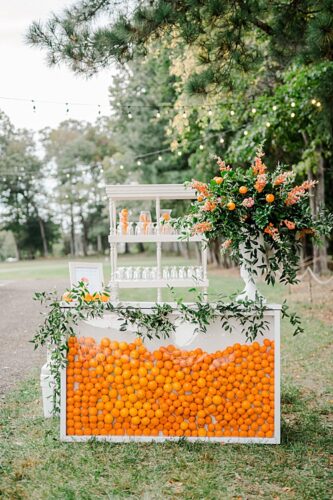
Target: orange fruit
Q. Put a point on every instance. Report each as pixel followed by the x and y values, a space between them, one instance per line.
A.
pixel 218 180
pixel 270 198
pixel 243 190
pixel 231 205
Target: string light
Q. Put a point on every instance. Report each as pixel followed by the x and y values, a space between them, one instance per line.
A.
pixel 268 124
pixel 179 153
pixel 67 175
pixel 318 104
pixel 201 147
pixel 159 158
pixel 121 167
pixel 253 110
pixel 232 112
pixel 313 101
pixel 221 140
pixel 293 104
pixel 274 107
pixel 210 112
pixel 292 115
pixel 245 132
pixel 158 114
pixel 139 163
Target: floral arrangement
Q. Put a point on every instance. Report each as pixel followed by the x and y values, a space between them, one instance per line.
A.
pixel 260 210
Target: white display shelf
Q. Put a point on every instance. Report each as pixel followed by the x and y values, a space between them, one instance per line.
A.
pixel 176 283
pixel 151 238
pixel 154 192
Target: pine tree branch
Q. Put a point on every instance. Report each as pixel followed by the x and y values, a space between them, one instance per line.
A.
pixel 263 26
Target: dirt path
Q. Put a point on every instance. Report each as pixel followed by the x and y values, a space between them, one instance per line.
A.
pixel 19 318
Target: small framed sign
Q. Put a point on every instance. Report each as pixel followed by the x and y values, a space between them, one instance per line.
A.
pixel 86 271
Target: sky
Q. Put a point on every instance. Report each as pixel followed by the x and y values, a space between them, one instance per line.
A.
pixel 24 73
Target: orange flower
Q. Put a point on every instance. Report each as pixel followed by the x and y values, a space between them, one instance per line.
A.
pixel 259 168
pixel 272 231
pixel 201 187
pixel 260 183
pixel 290 225
pixel 209 206
pixel 202 227
pixel 222 164
pixel 298 191
pixel 282 178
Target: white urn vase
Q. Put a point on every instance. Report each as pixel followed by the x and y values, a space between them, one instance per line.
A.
pixel 251 271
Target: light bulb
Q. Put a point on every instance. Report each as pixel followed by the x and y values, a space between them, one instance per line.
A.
pixel 201 147
pixel 318 104
pixel 253 110
pixel 268 124
pixel 232 112
pixel 292 115
pixel 138 163
pixel 313 101
pixel 293 104
pixel 274 107
pixel 159 158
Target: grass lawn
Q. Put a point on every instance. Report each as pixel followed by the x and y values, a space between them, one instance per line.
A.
pixel 36 465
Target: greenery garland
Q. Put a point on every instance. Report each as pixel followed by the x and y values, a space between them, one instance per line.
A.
pixel 77 305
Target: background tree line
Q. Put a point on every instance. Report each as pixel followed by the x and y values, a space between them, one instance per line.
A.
pixel 194 79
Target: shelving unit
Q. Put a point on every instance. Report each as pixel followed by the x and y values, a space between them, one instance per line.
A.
pixel 154 192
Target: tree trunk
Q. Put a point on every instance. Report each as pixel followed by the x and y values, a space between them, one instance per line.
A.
pixel 17 250
pixel 43 236
pixel 72 232
pixel 84 235
pixel 317 201
pixel 99 244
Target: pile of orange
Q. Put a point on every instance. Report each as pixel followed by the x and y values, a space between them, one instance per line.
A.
pixel 119 388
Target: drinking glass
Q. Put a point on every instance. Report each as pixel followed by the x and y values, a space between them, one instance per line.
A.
pixel 182 273
pixel 129 273
pixel 199 272
pixel 145 219
pixel 165 221
pixel 165 273
pixel 146 273
pixel 137 273
pixel 174 273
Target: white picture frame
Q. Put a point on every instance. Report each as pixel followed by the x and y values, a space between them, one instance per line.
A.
pixel 92 271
